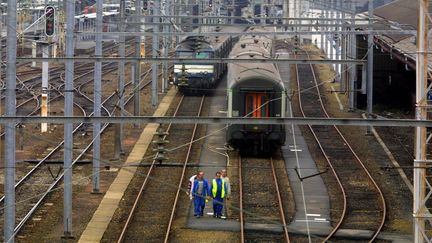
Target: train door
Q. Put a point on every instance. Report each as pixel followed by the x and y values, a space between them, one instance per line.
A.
pixel 257 105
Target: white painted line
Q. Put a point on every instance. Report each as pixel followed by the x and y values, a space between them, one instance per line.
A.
pixel 337 98
pixel 296 150
pixel 313 215
pixel 313 221
pixel 320 219
pixel 223 112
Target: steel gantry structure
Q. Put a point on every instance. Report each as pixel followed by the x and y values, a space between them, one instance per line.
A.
pixel 332 20
pixel 423 161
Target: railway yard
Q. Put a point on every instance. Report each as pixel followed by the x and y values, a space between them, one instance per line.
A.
pixel 287 182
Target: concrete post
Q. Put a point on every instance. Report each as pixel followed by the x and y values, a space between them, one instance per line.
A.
pixel 118 137
pixel 137 73
pixel 370 65
pixel 155 49
pixel 353 70
pixel 68 127
pixel 97 99
pixel 10 130
pixel 343 86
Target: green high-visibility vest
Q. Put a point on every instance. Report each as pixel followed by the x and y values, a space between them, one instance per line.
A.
pixel 214 188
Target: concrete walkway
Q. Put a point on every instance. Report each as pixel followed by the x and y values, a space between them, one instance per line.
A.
pixel 310 195
pixel 102 217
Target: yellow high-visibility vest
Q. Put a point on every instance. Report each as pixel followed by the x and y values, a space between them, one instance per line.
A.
pixel 214 188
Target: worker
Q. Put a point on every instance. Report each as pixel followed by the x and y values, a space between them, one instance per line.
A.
pixel 225 178
pixel 218 189
pixel 200 191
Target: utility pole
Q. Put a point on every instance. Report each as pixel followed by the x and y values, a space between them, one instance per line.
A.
pixel 166 46
pixel 9 181
pixel 338 43
pixel 118 146
pixel 326 41
pixel 68 127
pixel 352 87
pixel 285 14
pixel 331 35
pixel 137 73
pixel 343 86
pixel 322 35
pixel 155 50
pixel 97 99
pixel 421 213
pixel 369 86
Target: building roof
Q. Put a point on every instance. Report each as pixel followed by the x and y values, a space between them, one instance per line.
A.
pixel 403 14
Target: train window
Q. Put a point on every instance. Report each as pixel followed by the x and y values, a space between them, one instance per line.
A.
pixel 184 54
pixel 202 55
pixel 264 106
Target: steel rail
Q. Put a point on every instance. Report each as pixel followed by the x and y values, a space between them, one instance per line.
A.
pixel 281 209
pixel 279 198
pixel 144 184
pixel 168 231
pixel 327 159
pixel 359 161
pixel 60 177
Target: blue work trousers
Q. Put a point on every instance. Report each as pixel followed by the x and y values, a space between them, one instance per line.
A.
pixel 217 206
pixel 199 204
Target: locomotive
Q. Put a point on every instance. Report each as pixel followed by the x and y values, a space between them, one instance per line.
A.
pixel 197 78
pixel 255 90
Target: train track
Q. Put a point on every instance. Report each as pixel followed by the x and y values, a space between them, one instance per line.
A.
pixel 47 181
pixel 364 205
pixel 261 198
pixel 152 214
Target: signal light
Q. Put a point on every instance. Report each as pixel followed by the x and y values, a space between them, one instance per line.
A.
pixel 49 21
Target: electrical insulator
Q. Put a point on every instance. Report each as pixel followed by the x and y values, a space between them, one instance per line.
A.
pixel 49 21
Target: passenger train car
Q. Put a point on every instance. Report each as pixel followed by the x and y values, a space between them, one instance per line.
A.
pixel 198 78
pixel 255 90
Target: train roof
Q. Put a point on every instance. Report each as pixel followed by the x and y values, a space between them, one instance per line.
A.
pixel 253 47
pixel 194 43
pixel 213 41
